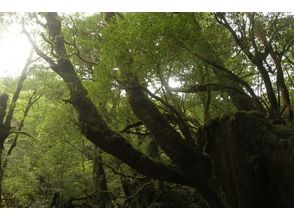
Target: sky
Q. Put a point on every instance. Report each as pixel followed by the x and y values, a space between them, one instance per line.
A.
pixel 14 50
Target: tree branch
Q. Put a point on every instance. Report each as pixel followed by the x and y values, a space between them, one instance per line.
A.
pixel 133 125
pixel 256 59
pixel 49 60
pixel 31 102
pixel 22 78
pixel 205 88
pixel 91 123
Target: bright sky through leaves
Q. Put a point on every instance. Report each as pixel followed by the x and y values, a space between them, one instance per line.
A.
pixel 14 50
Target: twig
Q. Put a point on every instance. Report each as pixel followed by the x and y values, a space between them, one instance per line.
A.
pixel 133 125
pixel 24 133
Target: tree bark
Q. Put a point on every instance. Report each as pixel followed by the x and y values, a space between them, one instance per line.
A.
pixel 102 198
pixel 252 160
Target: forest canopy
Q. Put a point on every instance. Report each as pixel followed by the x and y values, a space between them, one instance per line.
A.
pixel 149 110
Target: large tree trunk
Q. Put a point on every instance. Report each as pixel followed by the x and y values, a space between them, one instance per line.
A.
pixel 252 160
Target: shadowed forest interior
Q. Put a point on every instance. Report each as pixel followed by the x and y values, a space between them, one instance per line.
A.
pixel 147 110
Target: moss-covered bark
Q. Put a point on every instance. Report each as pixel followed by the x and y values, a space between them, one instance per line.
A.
pixel 252 160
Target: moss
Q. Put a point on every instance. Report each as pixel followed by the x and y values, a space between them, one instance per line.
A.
pixel 232 141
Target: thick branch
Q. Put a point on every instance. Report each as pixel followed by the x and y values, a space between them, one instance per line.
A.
pixel 93 126
pixel 193 163
pixel 187 157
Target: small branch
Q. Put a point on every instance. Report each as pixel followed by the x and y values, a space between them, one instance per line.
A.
pixel 228 72
pixel 107 165
pixel 133 125
pixel 205 88
pixel 22 132
pixel 31 102
pixel 74 25
pixel 138 133
pixel 77 53
pixel 286 47
pixel 15 97
pixel 38 21
pixel 90 196
pixel 137 191
pixel 50 61
pixel 50 43
pixel 120 173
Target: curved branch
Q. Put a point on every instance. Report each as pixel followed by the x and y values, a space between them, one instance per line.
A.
pixel 22 132
pixel 91 123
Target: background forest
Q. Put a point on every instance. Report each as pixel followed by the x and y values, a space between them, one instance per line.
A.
pixel 149 110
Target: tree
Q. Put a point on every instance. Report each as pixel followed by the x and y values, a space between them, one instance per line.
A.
pixel 263 45
pixel 6 127
pixel 241 160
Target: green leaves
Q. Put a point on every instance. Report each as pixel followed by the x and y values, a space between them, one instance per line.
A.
pixel 158 48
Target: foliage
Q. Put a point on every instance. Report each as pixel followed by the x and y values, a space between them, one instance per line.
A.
pixel 55 168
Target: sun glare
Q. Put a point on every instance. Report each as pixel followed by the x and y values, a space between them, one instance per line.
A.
pixel 173 82
pixel 14 50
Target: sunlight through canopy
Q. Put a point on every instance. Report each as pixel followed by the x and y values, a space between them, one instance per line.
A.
pixel 14 50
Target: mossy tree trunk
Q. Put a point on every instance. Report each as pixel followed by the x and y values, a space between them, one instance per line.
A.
pixel 252 160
